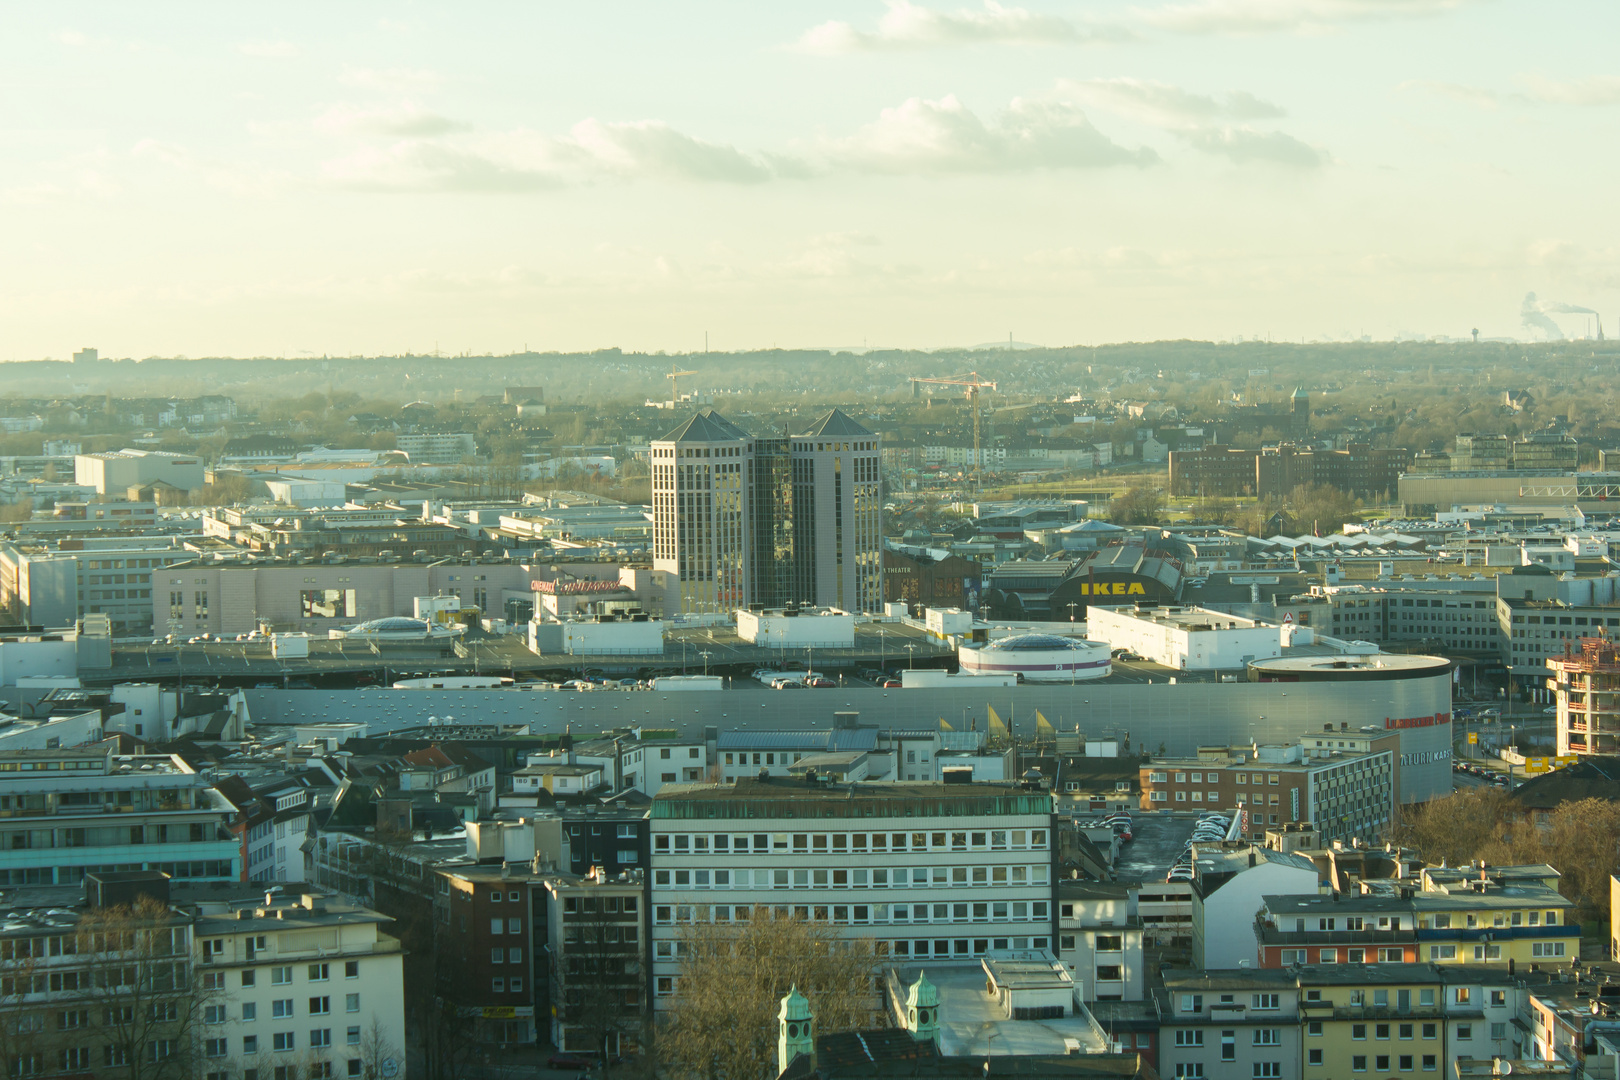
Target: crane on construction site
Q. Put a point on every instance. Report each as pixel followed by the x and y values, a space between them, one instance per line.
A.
pixel 971 384
pixel 674 378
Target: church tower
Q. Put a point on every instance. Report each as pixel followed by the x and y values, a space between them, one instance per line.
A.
pixel 796 1031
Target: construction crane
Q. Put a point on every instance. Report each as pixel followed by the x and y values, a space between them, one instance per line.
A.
pixel 971 384
pixel 674 378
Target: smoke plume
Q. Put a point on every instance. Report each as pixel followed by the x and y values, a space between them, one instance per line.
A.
pixel 1533 314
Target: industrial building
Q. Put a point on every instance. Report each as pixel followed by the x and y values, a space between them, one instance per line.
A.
pixel 1191 639
pixel 116 471
pixel 780 521
pixel 1053 589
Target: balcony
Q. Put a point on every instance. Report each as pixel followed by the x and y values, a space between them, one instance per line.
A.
pixel 1270 935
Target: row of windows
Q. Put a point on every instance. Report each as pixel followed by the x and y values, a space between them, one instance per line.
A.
pixel 849 843
pixel 858 914
pixel 858 878
pixel 918 949
pixel 1498 918
pixel 279 1008
pixel 1198 778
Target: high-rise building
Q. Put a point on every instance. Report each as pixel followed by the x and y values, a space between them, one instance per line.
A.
pixel 838 507
pixel 702 480
pixel 772 521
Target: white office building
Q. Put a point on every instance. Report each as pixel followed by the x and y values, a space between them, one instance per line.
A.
pixel 946 873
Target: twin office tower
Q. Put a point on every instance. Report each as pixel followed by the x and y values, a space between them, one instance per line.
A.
pixel 774 522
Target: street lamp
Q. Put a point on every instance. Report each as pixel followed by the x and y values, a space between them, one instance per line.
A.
pixel 911 659
pixel 705 654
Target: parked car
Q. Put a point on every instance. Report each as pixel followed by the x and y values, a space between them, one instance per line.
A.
pixel 891 684
pixel 821 684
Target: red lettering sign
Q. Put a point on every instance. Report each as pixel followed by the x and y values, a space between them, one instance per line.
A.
pixel 1416 721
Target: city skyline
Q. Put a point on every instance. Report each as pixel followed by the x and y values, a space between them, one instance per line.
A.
pixel 910 175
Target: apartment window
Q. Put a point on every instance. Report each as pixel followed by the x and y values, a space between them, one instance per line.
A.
pixel 215 1048
pixel 1430 1031
pixel 1229 1045
pixel 352 1036
pixel 498 985
pixel 319 972
pixel 1465 994
pixel 1267 1068
pixel 351 1003
pixel 351 969
pixel 1313 1027
pixel 1465 1032
pixel 1381 1031
pixel 1429 1062
pixel 279 976
pixel 320 1006
pixel 1358 1062
pixel 1313 1057
pixel 281 1007
pixel 1381 1062
pixel 1358 1031
pixel 1265 1001
pixel 1189 1037
pixel 320 1037
pixel 1191 1070
pixel 284 1040
pixel 250 1044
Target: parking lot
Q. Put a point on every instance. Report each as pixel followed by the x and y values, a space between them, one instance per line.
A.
pixel 1158 839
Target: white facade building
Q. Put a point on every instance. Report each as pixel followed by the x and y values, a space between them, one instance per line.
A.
pixel 1190 638
pixel 299 985
pixel 946 873
pixel 809 629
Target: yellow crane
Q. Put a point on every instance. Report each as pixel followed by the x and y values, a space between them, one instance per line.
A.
pixel 971 384
pixel 674 378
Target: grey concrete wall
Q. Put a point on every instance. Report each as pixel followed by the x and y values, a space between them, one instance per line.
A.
pixel 1180 716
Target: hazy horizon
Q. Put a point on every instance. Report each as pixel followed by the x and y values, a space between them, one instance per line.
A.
pixel 375 180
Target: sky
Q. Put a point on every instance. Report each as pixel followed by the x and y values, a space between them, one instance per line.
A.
pixel 301 178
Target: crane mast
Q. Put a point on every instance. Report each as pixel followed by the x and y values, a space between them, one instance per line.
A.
pixel 971 384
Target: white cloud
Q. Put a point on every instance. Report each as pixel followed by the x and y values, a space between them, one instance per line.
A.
pixel 268 50
pixel 1164 105
pixel 1596 90
pixel 1244 145
pixel 906 25
pixel 944 136
pixel 524 160
pixel 1199 119
pixel 1296 16
pixel 404 121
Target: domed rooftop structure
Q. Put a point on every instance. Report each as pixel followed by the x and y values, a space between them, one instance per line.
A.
pixel 1035 642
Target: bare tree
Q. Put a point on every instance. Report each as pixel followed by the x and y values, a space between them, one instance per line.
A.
pixel 379 1057
pixel 732 977
pixel 28 1033
pixel 599 973
pixel 143 998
